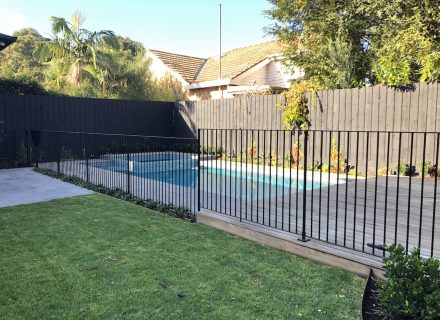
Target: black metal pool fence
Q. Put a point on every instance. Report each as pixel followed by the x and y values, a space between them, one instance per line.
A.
pixel 355 189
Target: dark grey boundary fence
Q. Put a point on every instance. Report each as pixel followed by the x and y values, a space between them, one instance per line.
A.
pixel 413 108
pixel 20 114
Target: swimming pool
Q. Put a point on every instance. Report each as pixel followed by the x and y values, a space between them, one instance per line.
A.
pixel 227 179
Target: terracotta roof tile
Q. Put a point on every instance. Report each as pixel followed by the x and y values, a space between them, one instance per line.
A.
pixel 188 67
pixel 237 61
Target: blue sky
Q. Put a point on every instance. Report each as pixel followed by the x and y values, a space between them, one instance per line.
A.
pixel 181 26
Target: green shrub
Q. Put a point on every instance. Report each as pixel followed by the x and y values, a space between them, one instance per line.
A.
pixel 405 169
pixel 22 87
pixel 168 209
pixel 412 289
pixel 430 169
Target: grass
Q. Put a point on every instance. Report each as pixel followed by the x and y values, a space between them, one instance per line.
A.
pixel 99 257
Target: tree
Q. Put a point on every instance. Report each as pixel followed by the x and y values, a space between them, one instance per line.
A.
pixel 348 43
pixel 75 54
pixel 19 61
pixel 326 39
pixel 405 39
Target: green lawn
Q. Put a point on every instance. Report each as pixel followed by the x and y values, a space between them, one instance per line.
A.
pixel 99 257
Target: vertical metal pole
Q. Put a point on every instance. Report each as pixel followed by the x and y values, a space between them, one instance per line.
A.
pixel 198 170
pixel 87 169
pixel 128 171
pixel 220 49
pixel 58 162
pixel 303 231
pixel 28 161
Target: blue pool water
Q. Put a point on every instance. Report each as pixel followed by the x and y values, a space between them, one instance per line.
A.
pixel 183 172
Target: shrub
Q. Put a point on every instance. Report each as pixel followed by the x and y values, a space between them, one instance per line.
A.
pixel 382 171
pixel 405 169
pixel 252 152
pixel 168 209
pixel 335 157
pixel 22 87
pixel 412 289
pixel 430 169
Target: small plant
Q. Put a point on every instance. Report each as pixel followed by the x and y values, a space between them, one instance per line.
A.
pixel 434 171
pixel 335 157
pixel 252 152
pixel 66 154
pixel 412 289
pixel 297 154
pixel 382 171
pixel 428 169
pixel 22 156
pixel 405 169
pixel 168 209
pixel 273 161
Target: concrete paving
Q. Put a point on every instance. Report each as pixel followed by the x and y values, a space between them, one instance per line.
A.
pixel 22 186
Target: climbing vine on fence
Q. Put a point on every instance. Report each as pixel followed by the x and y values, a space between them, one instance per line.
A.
pixel 294 103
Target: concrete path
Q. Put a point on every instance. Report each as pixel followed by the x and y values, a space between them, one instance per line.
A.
pixel 21 186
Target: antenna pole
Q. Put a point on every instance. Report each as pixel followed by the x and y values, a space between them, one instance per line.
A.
pixel 220 47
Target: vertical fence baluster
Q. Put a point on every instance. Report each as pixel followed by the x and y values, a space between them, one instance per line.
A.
pixel 304 215
pixel 421 192
pixel 408 219
pixel 436 168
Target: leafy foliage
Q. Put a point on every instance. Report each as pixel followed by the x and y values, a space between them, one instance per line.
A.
pixel 18 62
pixel 25 86
pixel 77 53
pixel 341 44
pixel 325 39
pixel 405 169
pixel 428 169
pixel 83 63
pixel 168 209
pixel 412 290
pixel 294 103
pixel 404 37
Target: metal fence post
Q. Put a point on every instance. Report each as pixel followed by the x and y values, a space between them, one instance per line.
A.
pixel 58 162
pixel 303 231
pixel 128 171
pixel 87 169
pixel 198 169
pixel 28 160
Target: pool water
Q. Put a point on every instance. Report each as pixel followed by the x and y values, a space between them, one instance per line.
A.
pixel 233 183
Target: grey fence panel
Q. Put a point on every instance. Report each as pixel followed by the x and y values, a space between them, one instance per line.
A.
pixel 19 113
pixel 376 108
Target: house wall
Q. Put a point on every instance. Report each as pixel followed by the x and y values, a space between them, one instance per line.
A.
pixel 280 76
pixel 158 68
pixel 259 77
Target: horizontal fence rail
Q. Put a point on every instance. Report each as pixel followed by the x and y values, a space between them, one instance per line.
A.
pixel 356 189
pixel 162 169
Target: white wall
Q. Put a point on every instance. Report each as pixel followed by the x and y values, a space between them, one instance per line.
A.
pixel 158 68
pixel 280 76
pixel 259 77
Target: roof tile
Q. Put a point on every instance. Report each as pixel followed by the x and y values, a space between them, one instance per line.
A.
pixel 187 66
pixel 238 60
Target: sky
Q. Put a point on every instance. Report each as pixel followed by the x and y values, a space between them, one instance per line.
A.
pixel 188 27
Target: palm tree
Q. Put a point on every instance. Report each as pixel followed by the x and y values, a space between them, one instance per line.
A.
pixel 77 53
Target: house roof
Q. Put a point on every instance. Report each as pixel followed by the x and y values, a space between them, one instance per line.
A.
pixel 237 61
pixel 6 40
pixel 187 66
